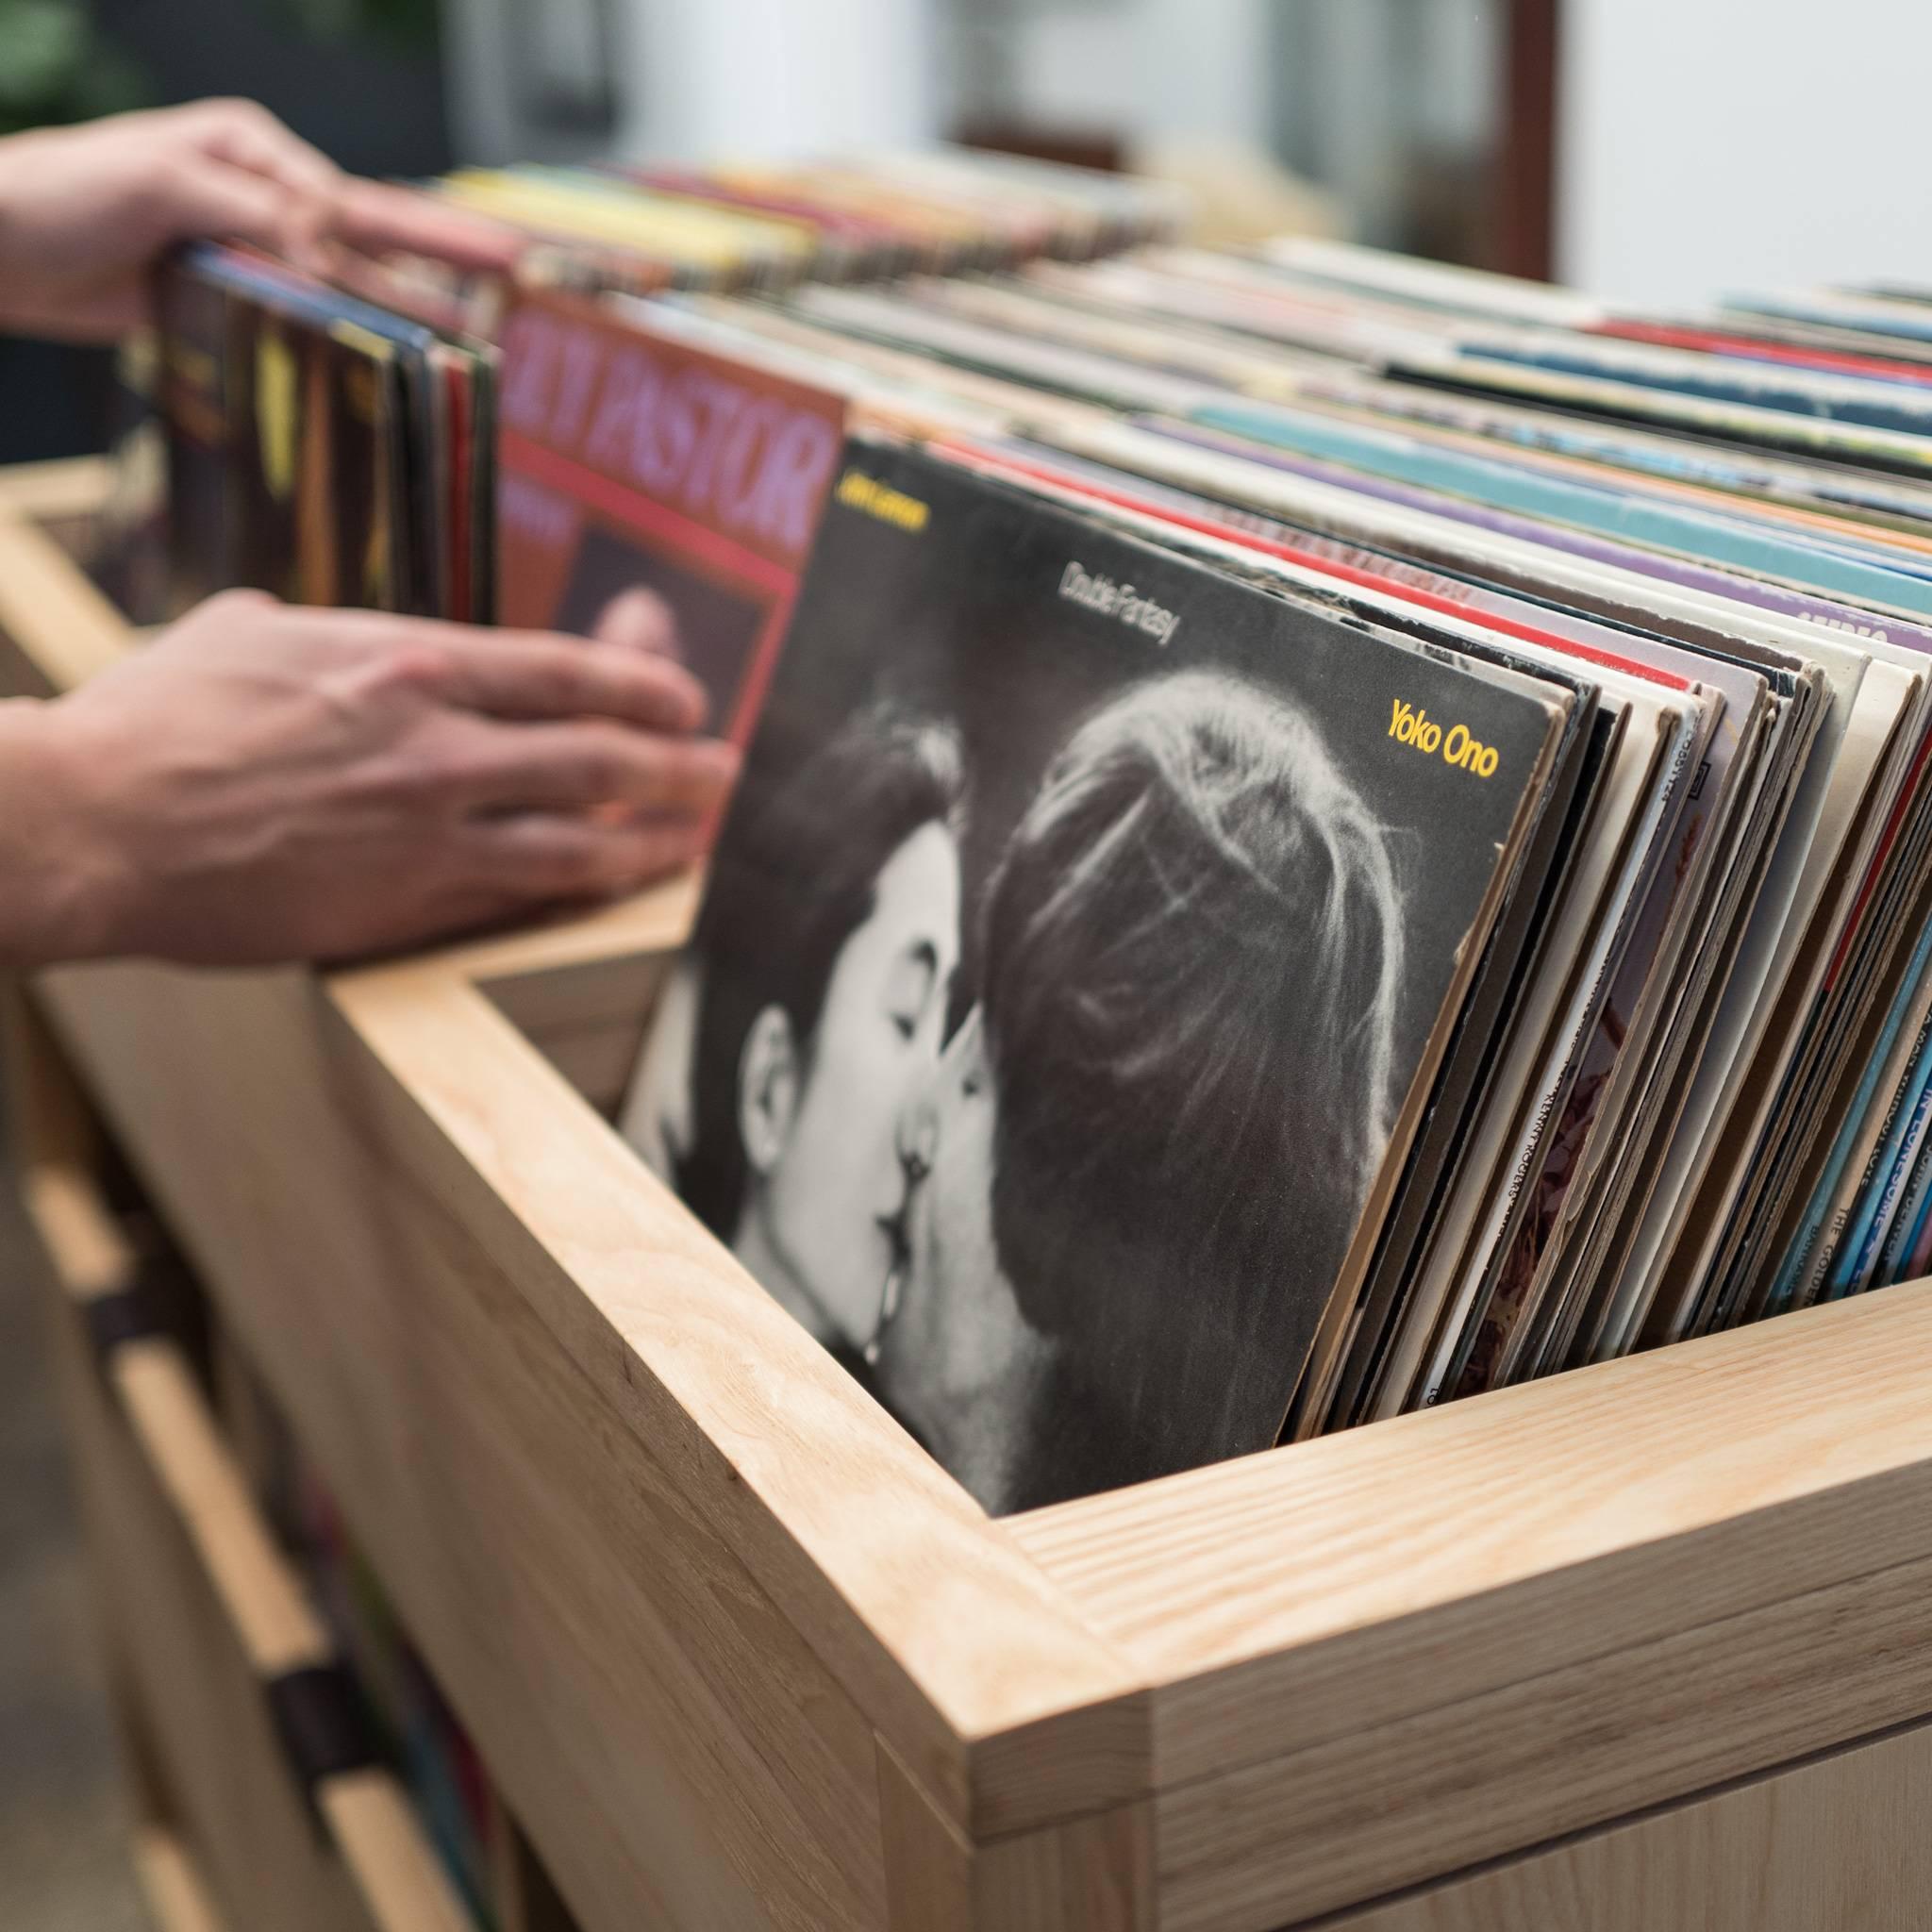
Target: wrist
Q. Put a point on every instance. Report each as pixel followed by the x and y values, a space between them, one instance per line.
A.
pixel 59 874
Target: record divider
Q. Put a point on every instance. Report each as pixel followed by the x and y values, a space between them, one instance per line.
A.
pixel 740 1655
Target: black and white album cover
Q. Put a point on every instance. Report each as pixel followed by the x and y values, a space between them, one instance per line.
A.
pixel 1075 939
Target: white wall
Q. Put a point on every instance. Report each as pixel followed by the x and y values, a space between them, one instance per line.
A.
pixel 1711 145
pixel 1143 68
pixel 703 80
pixel 771 78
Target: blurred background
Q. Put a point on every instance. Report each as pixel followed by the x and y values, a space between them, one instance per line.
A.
pixel 1653 151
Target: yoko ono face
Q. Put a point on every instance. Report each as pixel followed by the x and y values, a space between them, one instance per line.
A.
pixel 957 1360
pixel 820 1118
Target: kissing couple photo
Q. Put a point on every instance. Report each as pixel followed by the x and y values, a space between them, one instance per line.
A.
pixel 1043 1028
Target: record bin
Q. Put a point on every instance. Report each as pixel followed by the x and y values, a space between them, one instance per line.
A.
pixel 1641 1648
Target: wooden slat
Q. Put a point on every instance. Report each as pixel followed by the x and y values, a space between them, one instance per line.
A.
pixel 1309 1592
pixel 1837 1846
pixel 48 1120
pixel 277 1628
pixel 1605 1566
pixel 1329 1826
pixel 401 1880
pixel 172 1884
pixel 62 488
pixel 261 1602
pixel 90 1253
pixel 55 618
pixel 190 1684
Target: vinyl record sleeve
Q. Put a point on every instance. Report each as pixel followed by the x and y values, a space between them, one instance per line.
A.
pixel 1844 529
pixel 1622 515
pixel 1786 431
pixel 1579 952
pixel 1513 650
pixel 1846 826
pixel 1748 472
pixel 631 458
pixel 1164 1262
pixel 295 440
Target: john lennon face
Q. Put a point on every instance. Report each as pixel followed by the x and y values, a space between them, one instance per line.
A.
pixel 832 1204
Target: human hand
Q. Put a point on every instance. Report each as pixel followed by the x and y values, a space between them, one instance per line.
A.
pixel 86 211
pixel 263 783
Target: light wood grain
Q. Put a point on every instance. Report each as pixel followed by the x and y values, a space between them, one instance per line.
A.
pixel 381 1842
pixel 48 1118
pixel 928 1859
pixel 62 488
pixel 89 1250
pixel 55 618
pixel 1315 1591
pixel 260 1599
pixel 171 1882
pixel 1837 1846
pixel 671 1744
pixel 277 1628
pixel 658 920
pixel 964 1655
pixel 195 1693
pixel 588 1019
pixel 1089 1875
pixel 1449 1787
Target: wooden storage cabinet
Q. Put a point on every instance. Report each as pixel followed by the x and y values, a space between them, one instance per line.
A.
pixel 1574 1657
pixel 208 1626
pixel 187 1688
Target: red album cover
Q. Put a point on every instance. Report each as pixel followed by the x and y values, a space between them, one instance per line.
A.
pixel 629 458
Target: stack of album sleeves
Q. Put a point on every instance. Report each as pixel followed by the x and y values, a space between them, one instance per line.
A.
pixel 936 210
pixel 334 441
pixel 319 446
pixel 1320 834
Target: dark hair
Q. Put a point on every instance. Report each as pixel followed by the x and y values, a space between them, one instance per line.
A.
pixel 1192 954
pixel 795 876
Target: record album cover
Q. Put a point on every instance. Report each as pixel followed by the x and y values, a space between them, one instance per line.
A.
pixel 629 458
pixel 1084 921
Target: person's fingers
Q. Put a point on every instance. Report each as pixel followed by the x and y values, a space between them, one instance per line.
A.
pixel 379 219
pixel 576 766
pixel 638 620
pixel 207 197
pixel 534 675
pixel 540 858
pixel 247 134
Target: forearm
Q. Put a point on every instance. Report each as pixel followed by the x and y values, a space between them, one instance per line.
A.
pixel 55 880
pixel 17 279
